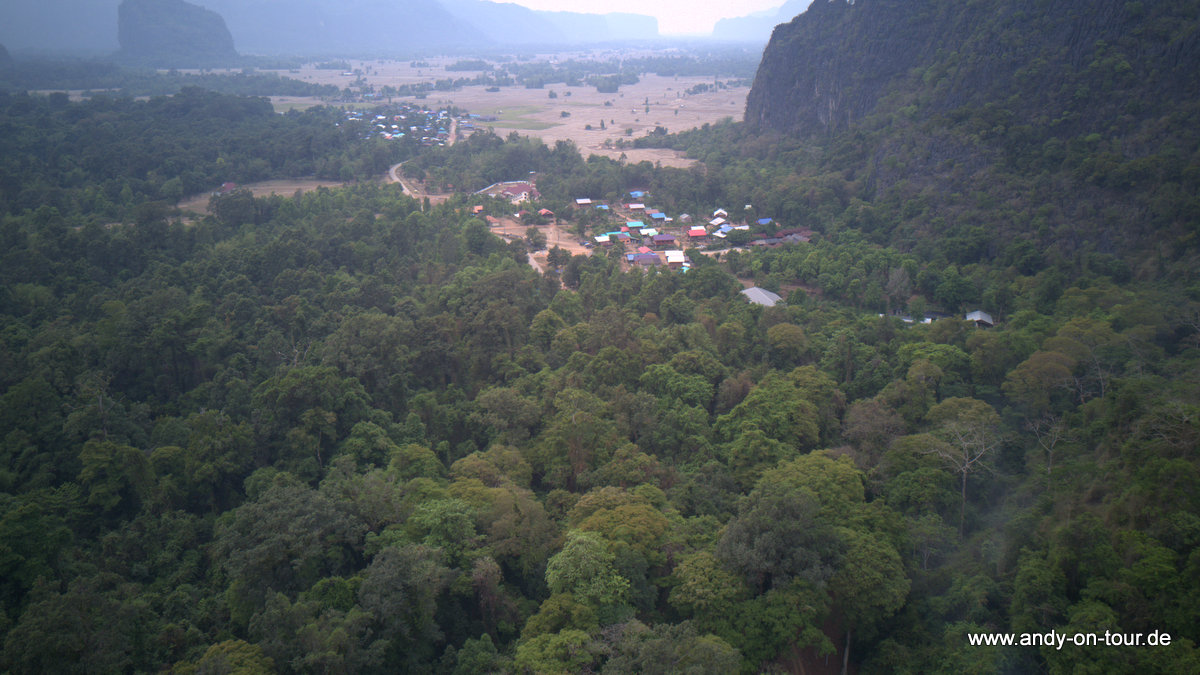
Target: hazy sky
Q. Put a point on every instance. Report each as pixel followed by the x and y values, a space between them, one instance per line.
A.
pixel 674 16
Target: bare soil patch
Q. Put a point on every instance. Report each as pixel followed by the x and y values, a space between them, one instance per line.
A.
pixel 563 237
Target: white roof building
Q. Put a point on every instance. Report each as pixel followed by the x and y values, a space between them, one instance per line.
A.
pixel 981 318
pixel 761 296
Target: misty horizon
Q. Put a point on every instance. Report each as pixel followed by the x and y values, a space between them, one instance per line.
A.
pixel 89 28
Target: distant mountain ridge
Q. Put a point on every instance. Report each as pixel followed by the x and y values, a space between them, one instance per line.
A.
pixel 172 33
pixel 364 27
pixel 358 27
pixel 507 23
pixel 328 27
pixel 757 27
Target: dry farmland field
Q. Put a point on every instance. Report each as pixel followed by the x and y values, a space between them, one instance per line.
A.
pixel 284 187
pixel 568 115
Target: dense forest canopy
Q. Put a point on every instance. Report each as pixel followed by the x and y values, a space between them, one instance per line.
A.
pixel 101 159
pixel 97 76
pixel 351 431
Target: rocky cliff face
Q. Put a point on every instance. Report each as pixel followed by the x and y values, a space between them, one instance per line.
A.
pixel 172 33
pixel 841 61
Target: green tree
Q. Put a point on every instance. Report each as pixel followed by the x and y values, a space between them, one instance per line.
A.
pixel 306 411
pixel 779 410
pixel 117 477
pixel 562 653
pixel 788 344
pixel 704 588
pixel 668 648
pixel 401 589
pixel 778 535
pixel 236 657
pixel 869 586
pixel 971 431
pixel 286 539
pixel 584 568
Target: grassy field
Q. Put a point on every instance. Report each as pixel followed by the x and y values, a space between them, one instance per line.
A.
pixel 523 118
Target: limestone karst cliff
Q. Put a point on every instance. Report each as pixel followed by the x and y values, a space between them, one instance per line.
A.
pixel 172 33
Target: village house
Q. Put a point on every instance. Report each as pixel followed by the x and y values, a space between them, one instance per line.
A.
pixel 514 191
pixel 981 319
pixel 644 259
pixel 793 236
pixel 661 241
pixel 761 296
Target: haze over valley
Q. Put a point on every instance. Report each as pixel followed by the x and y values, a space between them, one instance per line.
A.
pixel 385 27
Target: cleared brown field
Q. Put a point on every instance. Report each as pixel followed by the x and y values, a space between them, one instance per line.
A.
pixel 532 112
pixel 285 187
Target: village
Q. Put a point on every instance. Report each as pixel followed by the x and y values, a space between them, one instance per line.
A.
pixel 394 122
pixel 630 228
pixel 645 236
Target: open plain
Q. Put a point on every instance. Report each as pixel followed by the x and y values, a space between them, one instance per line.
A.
pixel 598 123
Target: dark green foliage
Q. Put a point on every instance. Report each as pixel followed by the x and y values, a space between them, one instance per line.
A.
pixel 109 155
pixel 778 536
pixel 39 74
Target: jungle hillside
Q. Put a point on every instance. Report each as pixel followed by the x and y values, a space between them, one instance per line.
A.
pixel 354 431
